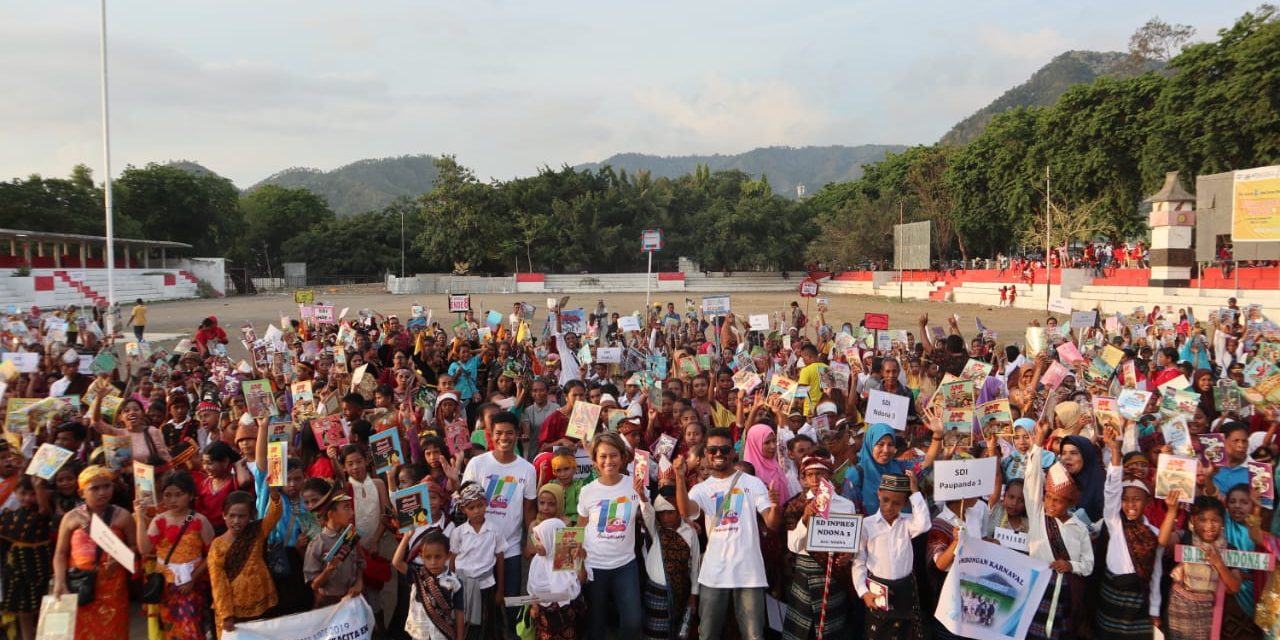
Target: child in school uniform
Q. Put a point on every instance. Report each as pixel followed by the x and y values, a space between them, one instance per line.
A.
pixel 436 609
pixel 804 598
pixel 882 570
pixel 1129 597
pixel 1059 539
pixel 342 575
pixel 478 559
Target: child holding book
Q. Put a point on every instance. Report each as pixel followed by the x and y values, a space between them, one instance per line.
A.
pixel 554 620
pixel 333 566
pixel 478 559
pixel 1192 599
pixel 1057 538
pixel 178 537
pixel 672 559
pixel 436 607
pixel 371 503
pixel 882 570
pixel 242 585
pixel 1129 600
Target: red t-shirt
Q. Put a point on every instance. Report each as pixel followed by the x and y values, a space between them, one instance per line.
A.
pixel 554 427
pixel 209 502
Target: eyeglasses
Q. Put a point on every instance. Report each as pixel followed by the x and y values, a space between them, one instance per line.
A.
pixel 723 449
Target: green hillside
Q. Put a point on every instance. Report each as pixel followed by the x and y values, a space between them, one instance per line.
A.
pixel 364 185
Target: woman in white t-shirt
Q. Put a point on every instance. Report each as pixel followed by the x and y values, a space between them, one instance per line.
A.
pixel 607 509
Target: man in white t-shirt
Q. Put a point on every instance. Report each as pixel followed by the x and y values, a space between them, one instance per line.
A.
pixel 510 486
pixel 732 566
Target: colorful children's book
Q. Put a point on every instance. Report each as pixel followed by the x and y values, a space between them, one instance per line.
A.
pixel 413 507
pixel 144 482
pixel 47 460
pixel 346 540
pixel 387 454
pixel 328 431
pixel 277 463
pixel 259 399
pixel 583 420
pixel 1174 472
pixel 567 542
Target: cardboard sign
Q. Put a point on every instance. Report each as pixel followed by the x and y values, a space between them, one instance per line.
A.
pixel 651 240
pixel 1234 558
pixel 1083 319
pixel 628 323
pixel 877 321
pixel 759 322
pixel 808 288
pixel 1059 305
pixel 837 533
pixel 957 479
pixel 26 362
pixel 889 408
pixel 715 305
pixel 323 314
pixel 459 303
pixel 1012 539
pixel 609 355
pixel 109 542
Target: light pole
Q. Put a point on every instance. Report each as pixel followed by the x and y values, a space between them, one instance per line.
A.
pixel 401 242
pixel 106 170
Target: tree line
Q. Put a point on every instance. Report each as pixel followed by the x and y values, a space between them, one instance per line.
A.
pixel 1104 146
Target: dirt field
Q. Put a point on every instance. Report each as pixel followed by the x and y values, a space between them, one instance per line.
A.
pixel 183 316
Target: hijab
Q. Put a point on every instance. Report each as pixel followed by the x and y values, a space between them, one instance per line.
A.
pixel 992 389
pixel 870 471
pixel 767 469
pixel 1091 479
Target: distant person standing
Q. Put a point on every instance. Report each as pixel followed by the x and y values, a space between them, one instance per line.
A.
pixel 138 319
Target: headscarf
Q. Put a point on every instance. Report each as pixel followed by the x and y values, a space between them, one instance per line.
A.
pixel 1091 479
pixel 767 469
pixel 93 472
pixel 556 490
pixel 870 471
pixel 992 389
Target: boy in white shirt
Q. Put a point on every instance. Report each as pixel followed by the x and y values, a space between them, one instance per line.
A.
pixel 882 570
pixel 477 548
pixel 672 559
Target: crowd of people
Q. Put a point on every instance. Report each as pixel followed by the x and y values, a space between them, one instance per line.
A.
pixel 654 474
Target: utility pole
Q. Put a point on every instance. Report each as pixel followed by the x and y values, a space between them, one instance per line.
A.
pixel 897 252
pixel 1048 217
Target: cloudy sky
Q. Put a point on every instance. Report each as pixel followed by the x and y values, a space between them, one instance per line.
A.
pixel 249 88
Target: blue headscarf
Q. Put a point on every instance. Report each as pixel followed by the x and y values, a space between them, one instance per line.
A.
pixel 1091 479
pixel 869 471
pixel 1238 538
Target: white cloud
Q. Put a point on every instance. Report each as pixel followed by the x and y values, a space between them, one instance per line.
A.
pixel 1041 44
pixel 722 114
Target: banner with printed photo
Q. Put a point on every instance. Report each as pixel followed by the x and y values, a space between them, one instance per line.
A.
pixel 992 592
pixel 349 619
pixel 1255 205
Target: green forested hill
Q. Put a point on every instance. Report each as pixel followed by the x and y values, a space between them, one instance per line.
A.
pixel 364 185
pixel 1047 84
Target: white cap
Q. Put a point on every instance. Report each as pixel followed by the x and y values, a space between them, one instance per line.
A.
pixel 246 420
pixel 70 356
pixel 662 504
pixel 608 397
pixel 448 395
pixel 826 407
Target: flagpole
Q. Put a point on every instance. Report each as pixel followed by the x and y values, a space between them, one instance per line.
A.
pixel 106 170
pixel 1048 267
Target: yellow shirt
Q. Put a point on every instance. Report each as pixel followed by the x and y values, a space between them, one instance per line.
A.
pixel 811 377
pixel 138 317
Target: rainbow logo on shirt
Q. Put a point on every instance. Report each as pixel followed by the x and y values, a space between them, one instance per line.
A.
pixel 614 515
pixel 500 490
pixel 729 512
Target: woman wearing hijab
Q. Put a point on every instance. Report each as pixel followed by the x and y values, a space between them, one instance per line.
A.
pixel 761 450
pixel 878 456
pixel 1080 457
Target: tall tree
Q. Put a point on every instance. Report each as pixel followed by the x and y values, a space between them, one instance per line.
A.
pixel 273 215
pixel 172 204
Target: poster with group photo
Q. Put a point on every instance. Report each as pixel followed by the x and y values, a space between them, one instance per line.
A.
pixel 992 592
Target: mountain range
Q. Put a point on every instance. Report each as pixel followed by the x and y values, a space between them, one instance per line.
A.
pixel 372 184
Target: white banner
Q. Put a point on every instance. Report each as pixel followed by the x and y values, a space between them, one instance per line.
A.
pixel 350 619
pixel 889 408
pixel 839 533
pixel 956 479
pixel 991 592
